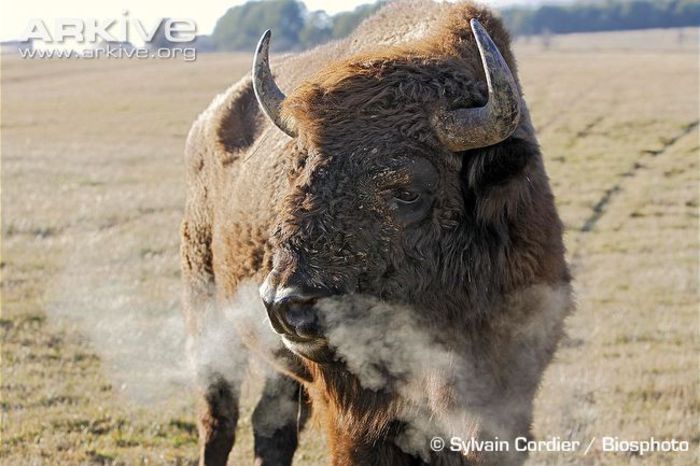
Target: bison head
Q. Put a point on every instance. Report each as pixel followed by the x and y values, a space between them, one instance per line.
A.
pixel 375 200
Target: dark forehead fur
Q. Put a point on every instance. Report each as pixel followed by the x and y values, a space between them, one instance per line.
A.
pixel 387 96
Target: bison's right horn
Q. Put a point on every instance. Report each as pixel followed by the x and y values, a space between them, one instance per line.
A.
pixel 472 128
pixel 269 96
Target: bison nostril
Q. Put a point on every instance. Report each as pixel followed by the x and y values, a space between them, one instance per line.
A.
pixel 292 310
pixel 294 316
pixel 303 318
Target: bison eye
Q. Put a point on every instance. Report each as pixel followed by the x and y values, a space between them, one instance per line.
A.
pixel 410 206
pixel 406 197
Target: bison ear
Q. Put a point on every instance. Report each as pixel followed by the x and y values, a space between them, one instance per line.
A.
pixel 495 165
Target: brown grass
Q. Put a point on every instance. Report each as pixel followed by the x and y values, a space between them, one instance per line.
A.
pixel 92 196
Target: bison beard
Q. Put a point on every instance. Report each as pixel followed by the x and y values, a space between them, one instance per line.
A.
pixel 404 233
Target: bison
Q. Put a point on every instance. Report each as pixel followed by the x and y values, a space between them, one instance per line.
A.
pixel 395 213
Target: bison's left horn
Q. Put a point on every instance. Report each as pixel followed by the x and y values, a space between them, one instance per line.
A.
pixel 269 96
pixel 471 128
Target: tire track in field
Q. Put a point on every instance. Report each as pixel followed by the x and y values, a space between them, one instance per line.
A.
pixel 586 131
pixel 600 207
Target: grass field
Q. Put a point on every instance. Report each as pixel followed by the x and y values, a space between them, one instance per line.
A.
pixel 93 369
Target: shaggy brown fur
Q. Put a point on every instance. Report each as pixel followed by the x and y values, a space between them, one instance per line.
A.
pixel 482 266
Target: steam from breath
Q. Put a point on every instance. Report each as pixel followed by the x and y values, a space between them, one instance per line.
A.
pixel 139 340
pixel 223 346
pixel 444 388
pixel 138 331
pixel 387 346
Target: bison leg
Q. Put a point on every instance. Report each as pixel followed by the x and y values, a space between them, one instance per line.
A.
pixel 279 416
pixel 218 416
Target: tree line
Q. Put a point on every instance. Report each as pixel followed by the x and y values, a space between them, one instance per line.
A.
pixel 296 28
pixel 609 15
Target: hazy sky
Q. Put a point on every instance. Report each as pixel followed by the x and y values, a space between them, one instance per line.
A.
pixel 16 14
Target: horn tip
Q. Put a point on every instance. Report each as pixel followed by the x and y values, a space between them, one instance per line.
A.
pixel 477 28
pixel 264 40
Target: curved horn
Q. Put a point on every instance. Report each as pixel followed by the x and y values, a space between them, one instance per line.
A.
pixel 471 128
pixel 269 96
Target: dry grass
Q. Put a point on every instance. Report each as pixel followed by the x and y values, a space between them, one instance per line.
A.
pixel 92 196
